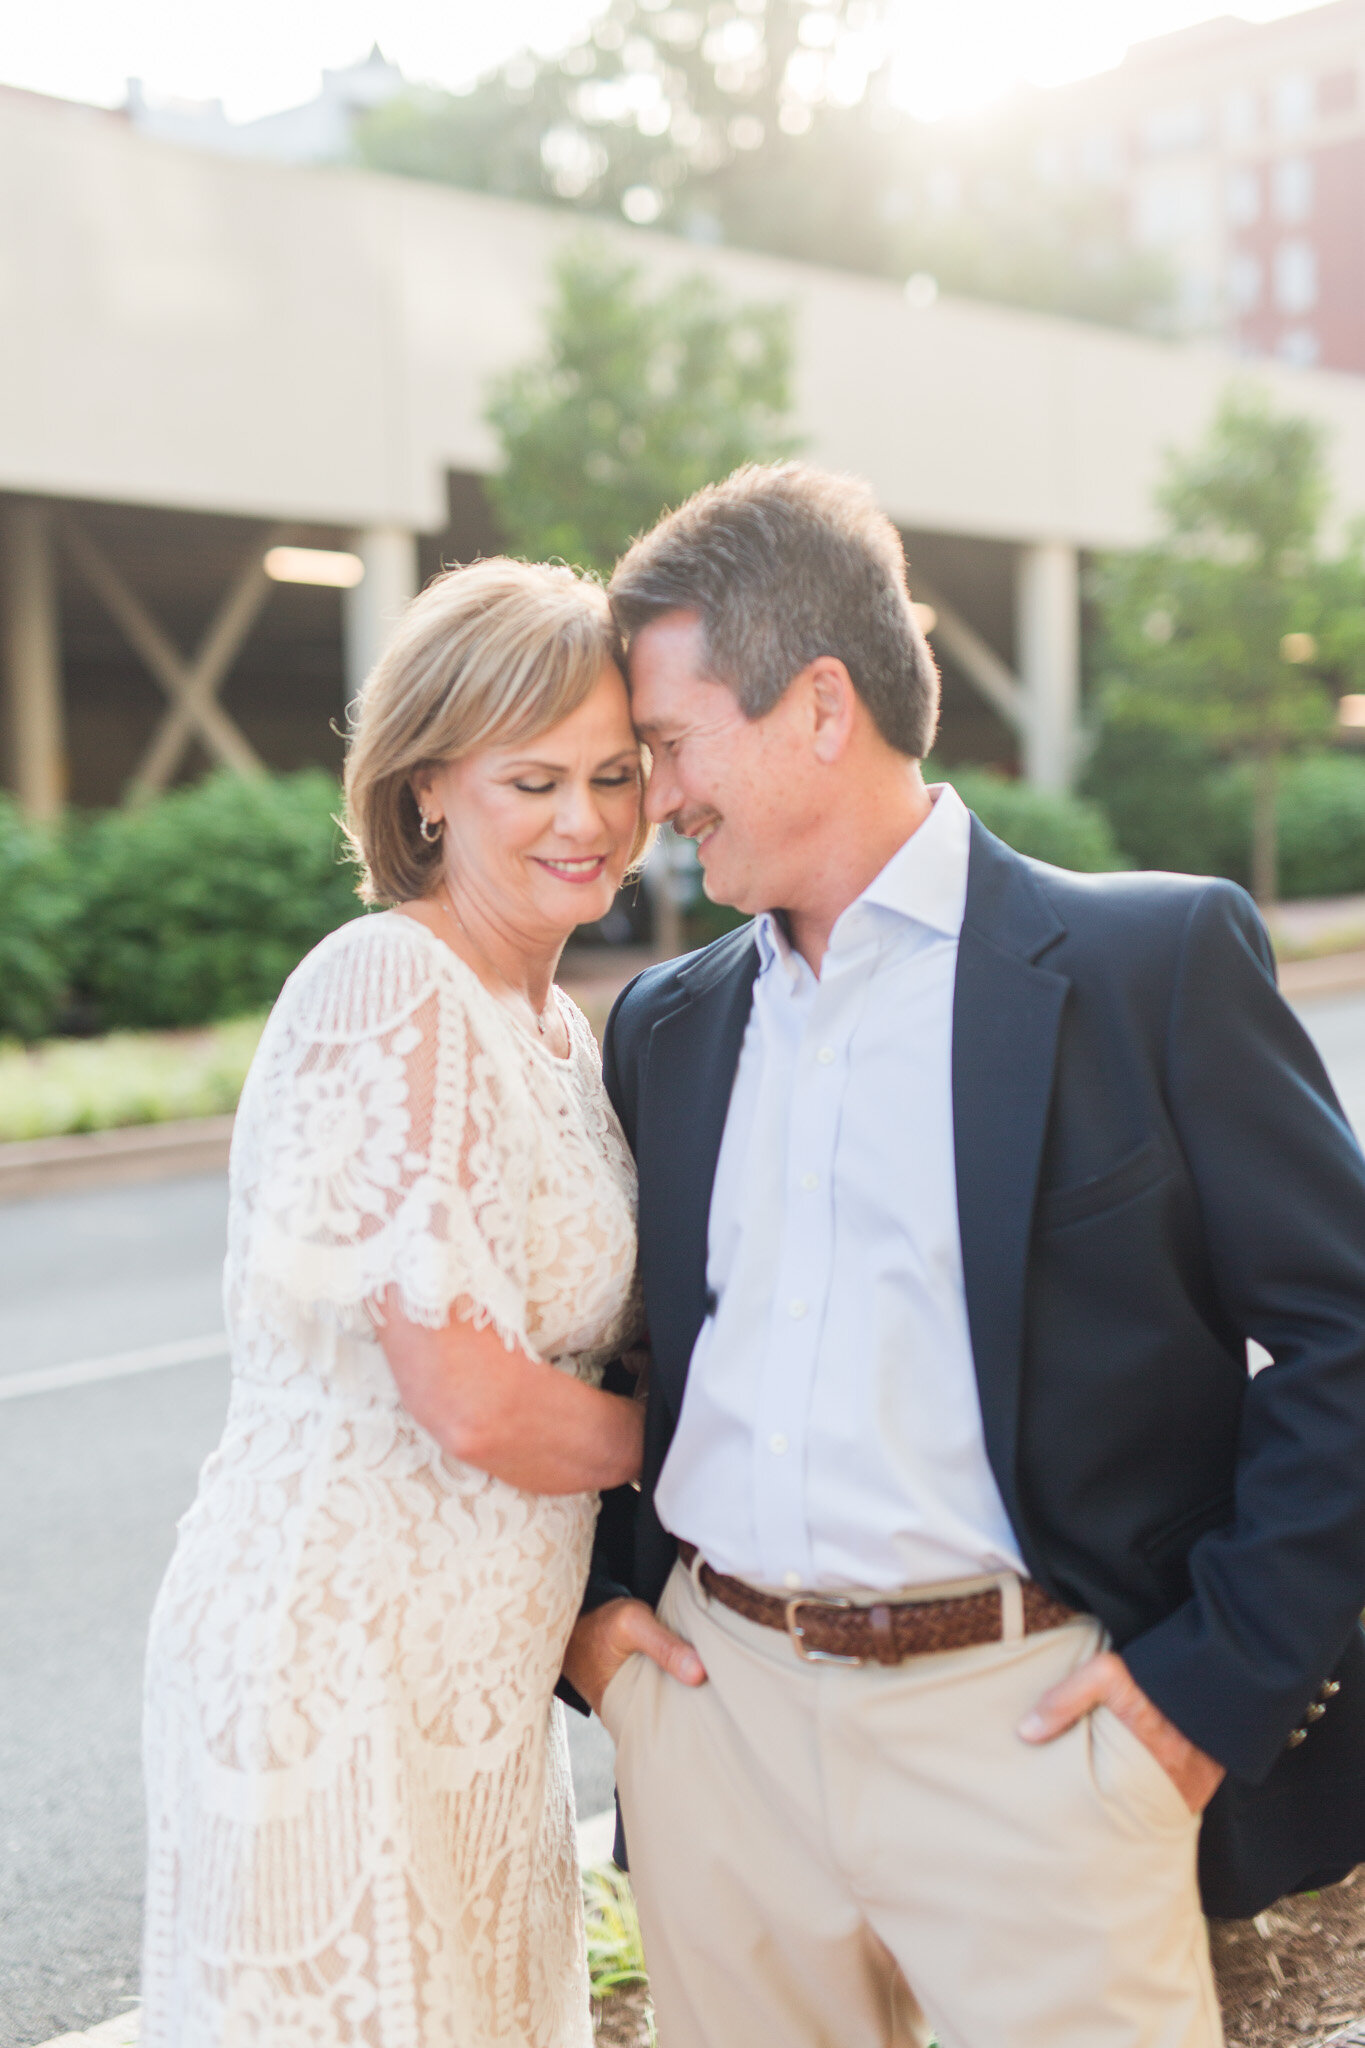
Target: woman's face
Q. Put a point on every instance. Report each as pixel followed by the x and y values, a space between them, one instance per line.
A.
pixel 536 836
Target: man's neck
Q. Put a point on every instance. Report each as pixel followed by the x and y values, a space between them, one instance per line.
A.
pixel 849 855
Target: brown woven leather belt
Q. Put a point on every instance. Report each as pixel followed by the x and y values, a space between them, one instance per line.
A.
pixel 834 1631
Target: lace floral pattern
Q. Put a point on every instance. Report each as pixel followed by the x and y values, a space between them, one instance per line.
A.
pixel 361 1816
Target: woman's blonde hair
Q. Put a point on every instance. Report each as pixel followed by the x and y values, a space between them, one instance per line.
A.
pixel 485 656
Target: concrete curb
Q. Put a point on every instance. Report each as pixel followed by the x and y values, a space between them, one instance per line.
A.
pixel 1331 974
pixel 51 1166
pixel 119 2033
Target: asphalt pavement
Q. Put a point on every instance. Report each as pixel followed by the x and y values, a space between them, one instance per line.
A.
pixel 92 1479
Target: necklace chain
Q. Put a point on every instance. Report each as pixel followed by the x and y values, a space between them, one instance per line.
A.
pixel 537 1016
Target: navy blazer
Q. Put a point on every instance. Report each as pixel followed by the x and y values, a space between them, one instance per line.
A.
pixel 1151 1168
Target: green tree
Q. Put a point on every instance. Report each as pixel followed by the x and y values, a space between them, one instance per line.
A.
pixel 767 124
pixel 638 401
pixel 1232 635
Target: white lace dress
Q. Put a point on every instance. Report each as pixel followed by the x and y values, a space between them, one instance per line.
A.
pixel 361 1815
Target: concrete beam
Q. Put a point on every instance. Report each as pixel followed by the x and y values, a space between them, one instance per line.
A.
pixel 30 653
pixel 1048 631
pixel 371 607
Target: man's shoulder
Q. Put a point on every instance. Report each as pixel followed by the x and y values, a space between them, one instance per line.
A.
pixel 658 988
pixel 1141 907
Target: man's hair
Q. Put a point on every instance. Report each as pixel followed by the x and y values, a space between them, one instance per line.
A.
pixel 782 565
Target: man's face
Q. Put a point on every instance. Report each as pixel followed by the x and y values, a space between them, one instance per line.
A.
pixel 736 785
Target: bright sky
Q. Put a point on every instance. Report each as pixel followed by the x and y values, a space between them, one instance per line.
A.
pixel 257 55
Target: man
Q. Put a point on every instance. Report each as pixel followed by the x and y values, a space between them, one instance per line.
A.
pixel 983 1567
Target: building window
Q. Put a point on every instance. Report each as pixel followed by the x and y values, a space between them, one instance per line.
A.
pixel 1293 102
pixel 1243 195
pixel 1338 92
pixel 1299 346
pixel 1291 188
pixel 1244 283
pixel 1100 157
pixel 1241 115
pixel 1296 277
pixel 1179 127
pixel 1174 204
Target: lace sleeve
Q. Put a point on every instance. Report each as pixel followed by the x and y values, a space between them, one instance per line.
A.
pixel 381 1146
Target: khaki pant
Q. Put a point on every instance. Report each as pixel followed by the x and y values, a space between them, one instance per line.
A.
pixel 836 1857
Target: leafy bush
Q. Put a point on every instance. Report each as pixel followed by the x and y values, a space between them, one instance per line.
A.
pixel 1168 799
pixel 1061 829
pixel 1173 804
pixel 103 1084
pixel 37 912
pixel 198 906
pixel 1322 826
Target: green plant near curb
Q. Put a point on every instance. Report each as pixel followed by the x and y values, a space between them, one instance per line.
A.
pixel 1063 830
pixel 198 906
pixel 37 908
pixel 71 1085
pixel 616 1956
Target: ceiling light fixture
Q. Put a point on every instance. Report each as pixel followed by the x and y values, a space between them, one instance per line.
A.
pixel 330 566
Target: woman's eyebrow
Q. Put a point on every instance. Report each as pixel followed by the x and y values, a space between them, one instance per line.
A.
pixel 523 762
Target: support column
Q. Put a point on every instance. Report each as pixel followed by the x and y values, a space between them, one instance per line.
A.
pixel 1048 630
pixel 30 653
pixel 371 606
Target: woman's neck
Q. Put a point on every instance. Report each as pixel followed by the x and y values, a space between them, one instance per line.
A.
pixel 506 961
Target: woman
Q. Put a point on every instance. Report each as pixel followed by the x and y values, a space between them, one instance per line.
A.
pixel 361 1816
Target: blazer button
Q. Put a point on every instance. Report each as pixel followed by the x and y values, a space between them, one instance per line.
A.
pixel 1297 1736
pixel 1315 1712
pixel 1329 1689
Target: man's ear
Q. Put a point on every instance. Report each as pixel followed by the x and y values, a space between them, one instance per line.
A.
pixel 834 706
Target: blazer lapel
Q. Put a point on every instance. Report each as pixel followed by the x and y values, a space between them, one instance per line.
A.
pixel 684 1100
pixel 1007 1013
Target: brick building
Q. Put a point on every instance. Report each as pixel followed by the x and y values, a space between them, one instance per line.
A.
pixel 1239 149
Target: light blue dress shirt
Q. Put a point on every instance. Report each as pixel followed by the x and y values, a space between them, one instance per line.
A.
pixel 830 1434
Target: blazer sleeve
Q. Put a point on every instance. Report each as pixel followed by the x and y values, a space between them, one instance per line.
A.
pixel 614 1538
pixel 1281 1182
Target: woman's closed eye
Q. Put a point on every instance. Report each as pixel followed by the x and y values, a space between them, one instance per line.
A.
pixel 623 780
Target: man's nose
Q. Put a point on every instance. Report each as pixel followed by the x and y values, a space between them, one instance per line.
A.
pixel 663 798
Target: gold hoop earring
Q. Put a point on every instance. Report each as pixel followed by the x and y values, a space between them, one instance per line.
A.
pixel 430 829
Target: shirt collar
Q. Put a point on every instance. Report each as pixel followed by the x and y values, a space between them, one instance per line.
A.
pixel 925 880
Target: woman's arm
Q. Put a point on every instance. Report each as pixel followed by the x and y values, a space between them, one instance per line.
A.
pixel 527 1423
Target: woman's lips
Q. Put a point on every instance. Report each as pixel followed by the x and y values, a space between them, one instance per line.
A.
pixel 577 871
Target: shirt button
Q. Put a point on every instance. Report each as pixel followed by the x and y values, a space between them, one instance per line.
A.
pixel 777 1444
pixel 796 1309
pixel 791 1580
pixel 826 1055
pixel 810 1182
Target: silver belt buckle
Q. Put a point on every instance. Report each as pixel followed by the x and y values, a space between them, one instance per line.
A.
pixel 798 1641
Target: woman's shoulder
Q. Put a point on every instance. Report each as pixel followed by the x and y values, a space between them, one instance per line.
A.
pixel 365 977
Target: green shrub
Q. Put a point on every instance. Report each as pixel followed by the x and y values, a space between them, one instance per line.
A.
pixel 1061 829
pixel 197 906
pixel 1173 804
pixel 130 1077
pixel 1169 801
pixel 37 913
pixel 1322 826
